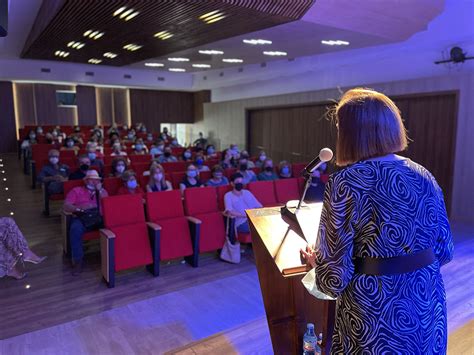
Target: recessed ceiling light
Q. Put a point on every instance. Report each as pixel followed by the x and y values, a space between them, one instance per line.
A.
pixel 93 34
pixel 178 59
pixel 163 35
pixel 257 41
pixel 177 69
pixel 212 16
pixel 110 55
pixel 125 14
pixel 61 54
pixel 132 47
pixel 232 60
pixel 75 45
pixel 275 53
pixel 201 65
pixel 210 51
pixel 335 42
pixel 154 65
pixel 94 61
pixel 119 11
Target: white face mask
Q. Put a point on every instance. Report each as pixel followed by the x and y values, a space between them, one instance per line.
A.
pixel 120 168
pixel 90 187
pixel 158 177
pixel 54 160
pixel 262 157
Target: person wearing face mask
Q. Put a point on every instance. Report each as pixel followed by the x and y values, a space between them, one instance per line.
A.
pixel 119 165
pixel 227 160
pixel 268 173
pixel 284 170
pixel 39 131
pixel 315 192
pixel 130 184
pixel 245 155
pixel 28 142
pixel 157 180
pixel 84 164
pixel 130 136
pixel 165 134
pixel 80 201
pixel 69 145
pixel 211 152
pixel 158 148
pixel 187 155
pixel 238 200
pixel 94 157
pixel 261 159
pixel 140 148
pixel 53 174
pixel 167 157
pixel 117 150
pixel 174 143
pixel 199 161
pixel 191 179
pixel 218 178
pixel 149 138
pixel 247 174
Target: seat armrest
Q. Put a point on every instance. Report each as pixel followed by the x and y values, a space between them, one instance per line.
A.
pixel 65 213
pixel 153 226
pixel 228 215
pixel 193 220
pixel 107 233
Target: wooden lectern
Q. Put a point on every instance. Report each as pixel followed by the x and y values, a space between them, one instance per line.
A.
pixel 289 307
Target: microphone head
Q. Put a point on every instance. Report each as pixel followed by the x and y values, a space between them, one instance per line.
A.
pixel 325 154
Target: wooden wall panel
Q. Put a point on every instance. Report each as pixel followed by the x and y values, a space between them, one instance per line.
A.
pixel 105 109
pixel 156 107
pixel 47 111
pixel 25 104
pixel 200 98
pixel 86 105
pixel 7 118
pixel 121 106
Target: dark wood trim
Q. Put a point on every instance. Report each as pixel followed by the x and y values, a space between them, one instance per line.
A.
pixel 8 142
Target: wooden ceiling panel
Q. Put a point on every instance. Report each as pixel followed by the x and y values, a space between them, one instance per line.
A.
pixel 62 21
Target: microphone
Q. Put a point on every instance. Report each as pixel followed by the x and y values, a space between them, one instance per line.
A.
pixel 325 155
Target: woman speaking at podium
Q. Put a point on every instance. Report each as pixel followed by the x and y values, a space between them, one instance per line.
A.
pixel 383 236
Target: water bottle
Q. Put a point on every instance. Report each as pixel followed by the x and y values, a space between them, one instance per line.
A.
pixel 310 345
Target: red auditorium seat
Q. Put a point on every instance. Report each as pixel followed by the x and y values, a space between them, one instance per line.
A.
pixel 229 172
pixel 67 154
pixel 112 184
pixel 177 151
pixel 204 176
pixel 107 170
pixel 178 235
pixel 286 190
pixel 127 241
pixel 221 191
pixel 176 178
pixel 174 167
pixel 264 192
pixel 202 204
pixel 145 158
pixel 297 168
pixel 39 152
pixel 139 168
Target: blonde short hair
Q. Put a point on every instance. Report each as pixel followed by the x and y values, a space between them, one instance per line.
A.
pixel 369 125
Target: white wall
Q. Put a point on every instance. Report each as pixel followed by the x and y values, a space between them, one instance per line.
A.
pixel 224 123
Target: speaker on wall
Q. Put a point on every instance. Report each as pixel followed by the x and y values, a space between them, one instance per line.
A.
pixel 3 18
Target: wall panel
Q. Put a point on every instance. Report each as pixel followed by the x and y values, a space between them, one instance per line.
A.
pixel 105 107
pixel 86 105
pixel 121 106
pixel 25 104
pixel 7 118
pixel 47 110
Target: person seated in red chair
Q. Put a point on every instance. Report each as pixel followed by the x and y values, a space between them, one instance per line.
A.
pixel 130 184
pixel 315 192
pixel 247 174
pixel 268 173
pixel 237 201
pixel 70 145
pixel 191 179
pixel 83 203
pixel 245 155
pixel 211 152
pixel 53 174
pixel 119 166
pixel 117 150
pixel 187 155
pixel 167 156
pixel 175 144
pixel 262 156
pixel 95 156
pixel 140 148
pixel 284 170
pixel 200 162
pixel 218 178
pixel 157 180
pixel 84 164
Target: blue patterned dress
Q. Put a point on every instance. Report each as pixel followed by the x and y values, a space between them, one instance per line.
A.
pixel 384 209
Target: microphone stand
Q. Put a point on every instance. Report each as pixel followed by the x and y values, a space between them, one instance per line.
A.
pixel 292 207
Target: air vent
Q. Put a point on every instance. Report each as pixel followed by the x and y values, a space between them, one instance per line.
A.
pixel 204 78
pixel 263 65
pixel 89 73
pixel 127 76
pixel 221 73
pixel 45 70
pixel 241 70
pixel 160 78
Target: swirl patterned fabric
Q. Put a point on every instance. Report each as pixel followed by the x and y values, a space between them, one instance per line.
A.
pixel 384 209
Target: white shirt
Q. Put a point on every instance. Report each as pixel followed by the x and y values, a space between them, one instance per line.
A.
pixel 240 203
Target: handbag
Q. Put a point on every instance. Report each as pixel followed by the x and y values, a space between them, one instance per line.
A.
pixel 91 218
pixel 231 249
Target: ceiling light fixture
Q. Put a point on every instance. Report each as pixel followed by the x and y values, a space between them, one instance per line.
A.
pixel 201 65
pixel 94 61
pixel 275 53
pixel 211 52
pixel 257 41
pixel 132 47
pixel 125 14
pixel 110 55
pixel 62 54
pixel 177 69
pixel 178 59
pixel 163 35
pixel 212 16
pixel 75 45
pixel 232 60
pixel 154 65
pixel 92 34
pixel 335 42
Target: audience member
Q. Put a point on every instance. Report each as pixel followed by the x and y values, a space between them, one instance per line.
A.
pixel 157 148
pixel 140 148
pixel 157 180
pixel 238 200
pixel 200 163
pixel 84 165
pixel 130 184
pixel 284 170
pixel 70 145
pixel 261 159
pixel 244 154
pixel 28 142
pixel 83 203
pixel 211 152
pixel 14 248
pixel 187 155
pixel 315 192
pixel 268 173
pixel 94 157
pixel 149 138
pixel 227 160
pixel 117 150
pixel 164 135
pixel 247 174
pixel 167 157
pixel 119 166
pixel 200 141
pixel 174 143
pixel 191 179
pixel 218 178
pixel 53 174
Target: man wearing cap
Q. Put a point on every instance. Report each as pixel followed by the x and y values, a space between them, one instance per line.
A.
pixel 53 174
pixel 78 201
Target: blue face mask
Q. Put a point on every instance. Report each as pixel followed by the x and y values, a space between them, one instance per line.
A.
pixel 285 170
pixel 192 173
pixel 199 162
pixel 132 184
pixel 210 151
pixel 139 147
pixel 92 156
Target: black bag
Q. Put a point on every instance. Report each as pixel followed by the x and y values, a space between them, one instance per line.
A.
pixel 91 219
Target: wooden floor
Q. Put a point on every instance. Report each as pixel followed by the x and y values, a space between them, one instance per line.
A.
pixel 215 308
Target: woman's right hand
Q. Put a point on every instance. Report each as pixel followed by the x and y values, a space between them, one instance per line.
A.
pixel 309 256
